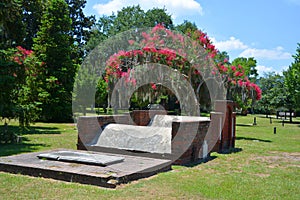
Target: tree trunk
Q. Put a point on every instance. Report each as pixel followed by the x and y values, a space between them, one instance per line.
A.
pixel 244 112
pixel 291 118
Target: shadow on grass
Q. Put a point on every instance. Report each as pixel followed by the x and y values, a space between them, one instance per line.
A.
pixel 209 157
pixel 31 130
pixel 200 161
pixel 288 122
pixel 252 139
pixel 231 150
pixel 41 130
pixel 265 117
pixel 248 125
pixel 24 147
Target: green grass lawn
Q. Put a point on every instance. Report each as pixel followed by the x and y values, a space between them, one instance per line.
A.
pixel 267 167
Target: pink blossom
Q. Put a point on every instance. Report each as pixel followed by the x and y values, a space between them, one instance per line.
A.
pixel 238 74
pixel 145 35
pixel 137 52
pixel 224 69
pixel 257 91
pixel 131 42
pixel 153 86
pixel 158 27
pixel 240 82
pixel 128 54
pixel 133 80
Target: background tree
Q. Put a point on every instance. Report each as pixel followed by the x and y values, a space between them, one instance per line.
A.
pixel 99 32
pixel 292 83
pixel 30 93
pixel 19 89
pixel 249 64
pixel 128 18
pixel 186 27
pixel 273 93
pixel 54 46
pixel 11 27
pixel 10 76
pixel 80 27
pixel 158 16
pixel 31 17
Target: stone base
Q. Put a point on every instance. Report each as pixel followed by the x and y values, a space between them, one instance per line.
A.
pixel 132 168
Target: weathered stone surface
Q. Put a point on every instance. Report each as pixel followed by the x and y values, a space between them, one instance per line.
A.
pixel 80 157
pixel 137 138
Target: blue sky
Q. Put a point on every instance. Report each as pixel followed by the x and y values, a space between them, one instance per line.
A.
pixel 267 30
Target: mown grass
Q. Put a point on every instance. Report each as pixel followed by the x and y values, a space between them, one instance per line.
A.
pixel 267 167
pixel 41 136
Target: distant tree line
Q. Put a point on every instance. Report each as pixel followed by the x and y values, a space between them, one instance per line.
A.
pixel 281 92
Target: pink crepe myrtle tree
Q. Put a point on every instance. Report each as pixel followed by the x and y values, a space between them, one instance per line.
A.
pixel 30 93
pixel 154 48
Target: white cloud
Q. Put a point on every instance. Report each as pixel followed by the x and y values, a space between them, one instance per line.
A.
pixel 281 69
pixel 272 54
pixel 108 8
pixel 178 8
pixel 263 69
pixel 279 48
pixel 231 44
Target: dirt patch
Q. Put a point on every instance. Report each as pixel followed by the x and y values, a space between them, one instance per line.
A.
pixel 294 156
pixel 278 159
pixel 262 175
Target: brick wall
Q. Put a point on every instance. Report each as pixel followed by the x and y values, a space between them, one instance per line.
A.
pixel 89 126
pixel 187 140
pixel 143 117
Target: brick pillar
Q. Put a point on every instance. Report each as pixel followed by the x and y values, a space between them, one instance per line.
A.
pixel 228 131
pixel 215 131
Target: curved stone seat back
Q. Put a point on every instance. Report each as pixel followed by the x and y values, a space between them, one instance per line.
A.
pixel 136 138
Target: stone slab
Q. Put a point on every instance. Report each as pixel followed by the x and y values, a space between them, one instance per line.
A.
pixel 80 157
pixel 132 168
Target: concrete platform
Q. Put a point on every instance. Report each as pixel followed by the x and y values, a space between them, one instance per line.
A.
pixel 131 168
